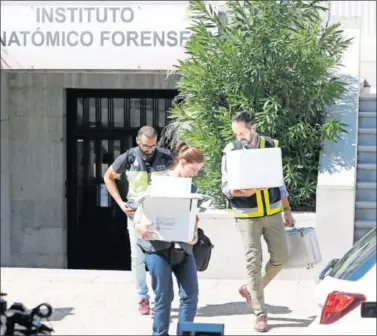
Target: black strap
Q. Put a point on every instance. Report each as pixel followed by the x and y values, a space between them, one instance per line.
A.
pixel 130 159
pixel 148 168
pixel 237 144
pixel 172 255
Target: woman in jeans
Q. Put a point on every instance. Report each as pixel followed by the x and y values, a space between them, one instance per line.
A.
pixel 158 256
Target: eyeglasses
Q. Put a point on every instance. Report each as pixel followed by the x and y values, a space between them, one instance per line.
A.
pixel 148 146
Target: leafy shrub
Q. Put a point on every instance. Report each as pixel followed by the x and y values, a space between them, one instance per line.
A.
pixel 275 59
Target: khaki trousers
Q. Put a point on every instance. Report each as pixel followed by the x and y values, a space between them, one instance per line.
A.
pixel 273 231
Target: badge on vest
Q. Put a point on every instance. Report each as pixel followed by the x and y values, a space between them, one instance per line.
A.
pixel 160 168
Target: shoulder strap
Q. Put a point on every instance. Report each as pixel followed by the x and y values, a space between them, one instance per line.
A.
pixel 237 145
pixel 130 158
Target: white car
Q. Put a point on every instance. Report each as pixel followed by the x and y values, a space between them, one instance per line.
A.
pixel 346 292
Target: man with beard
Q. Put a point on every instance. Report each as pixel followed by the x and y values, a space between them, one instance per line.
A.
pixel 257 212
pixel 138 163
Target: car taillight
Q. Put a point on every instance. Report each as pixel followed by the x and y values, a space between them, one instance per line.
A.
pixel 339 304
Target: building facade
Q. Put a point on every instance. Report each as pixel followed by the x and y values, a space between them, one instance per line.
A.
pixel 61 129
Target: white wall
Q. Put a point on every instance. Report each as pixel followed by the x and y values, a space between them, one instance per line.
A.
pixel 228 260
pixel 336 187
pixel 366 12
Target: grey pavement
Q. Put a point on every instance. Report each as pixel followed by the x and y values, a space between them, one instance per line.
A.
pixel 90 302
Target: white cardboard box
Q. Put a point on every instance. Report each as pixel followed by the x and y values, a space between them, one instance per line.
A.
pixel 169 209
pixel 254 168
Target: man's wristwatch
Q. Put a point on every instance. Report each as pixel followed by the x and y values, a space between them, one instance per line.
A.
pixel 286 209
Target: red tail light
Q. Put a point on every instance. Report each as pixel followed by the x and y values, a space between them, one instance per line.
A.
pixel 339 304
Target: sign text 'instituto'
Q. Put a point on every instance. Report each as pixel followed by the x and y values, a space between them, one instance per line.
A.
pixel 51 24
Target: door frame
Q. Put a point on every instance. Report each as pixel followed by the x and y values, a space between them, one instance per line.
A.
pixel 74 132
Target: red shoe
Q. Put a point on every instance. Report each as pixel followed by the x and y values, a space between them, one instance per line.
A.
pixel 144 308
pixel 261 323
pixel 246 295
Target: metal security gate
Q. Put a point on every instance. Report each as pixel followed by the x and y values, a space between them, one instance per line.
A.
pixel 102 124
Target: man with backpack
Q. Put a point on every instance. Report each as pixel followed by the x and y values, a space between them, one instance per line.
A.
pixel 257 212
pixel 138 164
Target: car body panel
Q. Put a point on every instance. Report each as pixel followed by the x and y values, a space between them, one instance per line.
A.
pixel 357 274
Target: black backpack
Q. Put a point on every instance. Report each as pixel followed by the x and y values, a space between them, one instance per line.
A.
pixel 202 251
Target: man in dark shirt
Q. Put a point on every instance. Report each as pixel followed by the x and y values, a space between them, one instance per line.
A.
pixel 138 164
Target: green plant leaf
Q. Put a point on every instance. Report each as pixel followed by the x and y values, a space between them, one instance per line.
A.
pixel 275 59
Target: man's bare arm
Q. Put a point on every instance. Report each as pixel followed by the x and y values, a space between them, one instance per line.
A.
pixel 110 176
pixel 119 166
pixel 111 186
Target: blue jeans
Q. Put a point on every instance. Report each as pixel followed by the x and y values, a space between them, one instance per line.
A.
pixel 162 284
pixel 137 263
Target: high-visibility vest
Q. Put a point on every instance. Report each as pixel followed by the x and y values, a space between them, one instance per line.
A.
pixel 263 203
pixel 139 175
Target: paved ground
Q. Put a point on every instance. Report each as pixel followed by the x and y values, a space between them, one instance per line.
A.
pixel 103 302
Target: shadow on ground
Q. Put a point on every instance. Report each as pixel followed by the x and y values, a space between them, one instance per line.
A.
pixel 241 308
pixel 233 308
pixel 61 313
pixel 289 322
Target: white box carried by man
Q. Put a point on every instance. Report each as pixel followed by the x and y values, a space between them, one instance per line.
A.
pixel 255 168
pixel 169 208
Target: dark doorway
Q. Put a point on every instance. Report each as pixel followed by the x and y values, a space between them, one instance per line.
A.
pixel 102 124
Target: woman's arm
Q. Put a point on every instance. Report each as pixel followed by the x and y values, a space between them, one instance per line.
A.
pixel 196 237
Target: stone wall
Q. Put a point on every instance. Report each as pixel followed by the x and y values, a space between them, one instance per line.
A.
pixel 6 259
pixel 33 207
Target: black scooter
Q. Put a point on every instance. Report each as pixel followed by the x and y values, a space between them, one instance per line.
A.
pixel 20 321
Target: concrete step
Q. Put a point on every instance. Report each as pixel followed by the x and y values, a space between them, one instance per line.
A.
pixel 367 137
pixel 367 105
pixel 367 102
pixel 366 191
pixel 366 205
pixel 365 211
pixel 365 224
pixel 366 154
pixel 366 172
pixel 362 228
pixel 367 119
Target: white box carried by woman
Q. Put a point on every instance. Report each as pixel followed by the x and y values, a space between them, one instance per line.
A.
pixel 254 168
pixel 169 208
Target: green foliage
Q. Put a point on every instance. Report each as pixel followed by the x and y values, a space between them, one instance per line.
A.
pixel 275 59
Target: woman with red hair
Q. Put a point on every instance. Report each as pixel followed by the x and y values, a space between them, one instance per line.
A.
pixel 164 258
